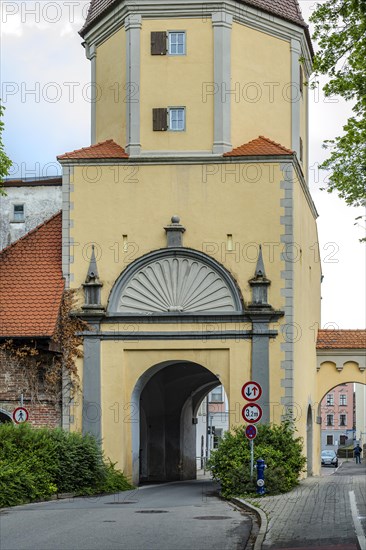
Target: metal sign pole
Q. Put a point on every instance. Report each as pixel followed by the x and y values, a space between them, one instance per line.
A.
pixel 251 458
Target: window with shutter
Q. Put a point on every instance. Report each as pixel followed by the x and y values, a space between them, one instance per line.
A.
pixel 158 43
pixel 160 120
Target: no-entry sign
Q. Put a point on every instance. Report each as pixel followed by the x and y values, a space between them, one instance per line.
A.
pixel 251 391
pixel 251 413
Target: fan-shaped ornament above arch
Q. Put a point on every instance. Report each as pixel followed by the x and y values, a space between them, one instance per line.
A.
pixel 175 282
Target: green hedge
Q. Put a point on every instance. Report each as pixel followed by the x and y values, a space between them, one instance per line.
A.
pixel 36 463
pixel 277 445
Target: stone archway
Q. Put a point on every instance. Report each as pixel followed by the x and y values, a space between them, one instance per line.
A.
pixel 5 416
pixel 164 440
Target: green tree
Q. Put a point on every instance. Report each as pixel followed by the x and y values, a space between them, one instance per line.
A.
pixel 340 30
pixel 5 162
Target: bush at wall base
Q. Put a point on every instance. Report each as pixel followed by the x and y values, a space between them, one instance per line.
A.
pixel 277 445
pixel 36 463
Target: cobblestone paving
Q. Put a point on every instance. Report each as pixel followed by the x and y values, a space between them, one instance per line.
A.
pixel 317 513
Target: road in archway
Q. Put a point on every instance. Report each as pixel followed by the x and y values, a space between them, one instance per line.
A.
pixel 175 516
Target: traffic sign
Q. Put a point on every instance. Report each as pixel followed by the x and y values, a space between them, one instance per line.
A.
pixel 251 391
pixel 251 432
pixel 20 415
pixel 251 413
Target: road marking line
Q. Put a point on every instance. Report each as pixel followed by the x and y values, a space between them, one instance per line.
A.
pixel 358 526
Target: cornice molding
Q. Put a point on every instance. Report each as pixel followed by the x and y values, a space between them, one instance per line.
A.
pixel 193 9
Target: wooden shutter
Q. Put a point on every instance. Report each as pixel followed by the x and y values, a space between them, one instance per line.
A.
pixel 158 43
pixel 160 120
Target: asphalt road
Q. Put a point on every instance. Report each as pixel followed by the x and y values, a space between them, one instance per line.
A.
pixel 175 516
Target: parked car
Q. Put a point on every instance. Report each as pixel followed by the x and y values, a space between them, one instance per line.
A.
pixel 329 458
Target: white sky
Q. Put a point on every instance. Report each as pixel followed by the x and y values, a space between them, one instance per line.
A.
pixel 41 51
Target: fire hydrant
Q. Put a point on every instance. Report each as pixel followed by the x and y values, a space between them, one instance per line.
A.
pixel 260 476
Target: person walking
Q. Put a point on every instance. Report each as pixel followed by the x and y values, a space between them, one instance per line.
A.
pixel 357 452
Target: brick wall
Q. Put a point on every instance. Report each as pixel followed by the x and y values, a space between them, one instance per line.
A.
pixel 44 407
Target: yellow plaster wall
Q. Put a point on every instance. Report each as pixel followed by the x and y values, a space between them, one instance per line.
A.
pixel 258 58
pixel 111 81
pixel 176 81
pixel 138 201
pixel 307 275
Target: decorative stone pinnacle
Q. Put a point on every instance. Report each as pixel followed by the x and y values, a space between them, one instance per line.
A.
pixel 92 285
pixel 174 233
pixel 92 274
pixel 259 284
pixel 259 270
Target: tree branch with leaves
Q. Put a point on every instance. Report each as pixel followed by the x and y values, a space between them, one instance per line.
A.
pixel 340 30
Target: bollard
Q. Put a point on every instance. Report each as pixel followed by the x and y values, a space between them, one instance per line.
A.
pixel 260 476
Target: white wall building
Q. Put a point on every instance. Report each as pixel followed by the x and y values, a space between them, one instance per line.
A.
pixel 28 202
pixel 212 423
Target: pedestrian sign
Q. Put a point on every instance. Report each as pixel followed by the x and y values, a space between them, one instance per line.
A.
pixel 251 391
pixel 251 413
pixel 20 415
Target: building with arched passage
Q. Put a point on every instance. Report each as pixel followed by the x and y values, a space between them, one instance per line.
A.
pixel 188 229
pixel 188 226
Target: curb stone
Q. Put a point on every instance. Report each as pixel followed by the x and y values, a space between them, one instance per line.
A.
pixel 262 520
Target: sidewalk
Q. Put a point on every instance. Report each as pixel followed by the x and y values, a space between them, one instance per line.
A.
pixel 321 513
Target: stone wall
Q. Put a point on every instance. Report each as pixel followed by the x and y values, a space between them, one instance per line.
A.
pixel 44 406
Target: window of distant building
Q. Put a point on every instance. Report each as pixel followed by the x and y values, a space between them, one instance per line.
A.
pixel 343 399
pixel 329 440
pixel 330 399
pixel 330 419
pixel 216 396
pixel 342 419
pixel 18 213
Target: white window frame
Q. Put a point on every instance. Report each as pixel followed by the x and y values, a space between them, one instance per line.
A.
pixel 341 396
pixel 170 113
pixel 171 43
pixel 330 398
pixel 14 219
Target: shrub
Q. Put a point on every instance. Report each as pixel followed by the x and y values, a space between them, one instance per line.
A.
pixel 37 463
pixel 277 445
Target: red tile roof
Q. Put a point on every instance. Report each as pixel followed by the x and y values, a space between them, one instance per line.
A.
pixel 31 282
pixel 32 182
pixel 341 339
pixel 260 146
pixel 104 150
pixel 285 9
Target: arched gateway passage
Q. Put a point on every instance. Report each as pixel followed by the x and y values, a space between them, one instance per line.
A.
pixel 164 440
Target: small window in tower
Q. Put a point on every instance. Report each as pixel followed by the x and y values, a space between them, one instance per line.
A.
pixel 18 213
pixel 176 43
pixel 177 122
